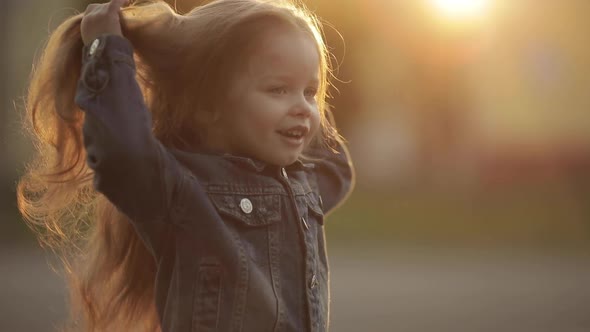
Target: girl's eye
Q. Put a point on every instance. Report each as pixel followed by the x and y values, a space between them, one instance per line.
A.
pixel 311 92
pixel 278 90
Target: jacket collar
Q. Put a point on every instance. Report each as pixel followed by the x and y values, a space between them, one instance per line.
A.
pixel 260 166
pixel 251 163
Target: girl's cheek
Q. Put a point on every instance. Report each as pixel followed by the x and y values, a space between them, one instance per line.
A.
pixel 316 119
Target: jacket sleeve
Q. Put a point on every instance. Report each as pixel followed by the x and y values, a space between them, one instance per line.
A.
pixel 335 175
pixel 131 167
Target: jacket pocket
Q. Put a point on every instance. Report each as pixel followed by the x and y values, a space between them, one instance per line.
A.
pixel 248 209
pixel 207 297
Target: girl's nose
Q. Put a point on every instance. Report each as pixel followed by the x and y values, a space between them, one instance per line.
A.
pixel 301 108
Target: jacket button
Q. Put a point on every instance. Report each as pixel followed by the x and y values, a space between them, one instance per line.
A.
pixel 246 205
pixel 284 173
pixel 94 46
pixel 314 282
pixel 305 223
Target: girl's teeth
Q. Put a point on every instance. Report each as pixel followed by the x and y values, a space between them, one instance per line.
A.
pixel 293 133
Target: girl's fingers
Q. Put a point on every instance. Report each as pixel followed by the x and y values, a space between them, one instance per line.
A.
pixel 90 7
pixel 103 18
pixel 115 5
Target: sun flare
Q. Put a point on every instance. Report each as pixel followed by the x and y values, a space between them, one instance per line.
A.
pixel 461 8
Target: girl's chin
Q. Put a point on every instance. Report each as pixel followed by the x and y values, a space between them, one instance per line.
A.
pixel 284 160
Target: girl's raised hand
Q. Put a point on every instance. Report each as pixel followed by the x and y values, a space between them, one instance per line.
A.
pixel 100 19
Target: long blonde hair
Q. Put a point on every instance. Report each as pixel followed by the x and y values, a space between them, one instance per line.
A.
pixel 110 272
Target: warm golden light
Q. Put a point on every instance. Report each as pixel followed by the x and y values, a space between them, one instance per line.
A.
pixel 461 8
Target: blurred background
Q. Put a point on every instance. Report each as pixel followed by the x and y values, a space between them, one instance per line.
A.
pixel 469 125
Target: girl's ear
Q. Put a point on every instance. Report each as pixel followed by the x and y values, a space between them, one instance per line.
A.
pixel 209 121
pixel 207 116
pixel 215 116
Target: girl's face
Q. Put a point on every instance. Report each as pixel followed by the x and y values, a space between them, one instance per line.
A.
pixel 271 112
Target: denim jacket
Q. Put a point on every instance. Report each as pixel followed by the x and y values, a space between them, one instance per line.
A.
pixel 239 245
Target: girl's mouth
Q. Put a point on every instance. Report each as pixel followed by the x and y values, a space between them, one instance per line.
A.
pixel 294 136
pixel 295 132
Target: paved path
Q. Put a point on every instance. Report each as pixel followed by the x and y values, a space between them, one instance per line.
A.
pixel 379 290
pixel 456 291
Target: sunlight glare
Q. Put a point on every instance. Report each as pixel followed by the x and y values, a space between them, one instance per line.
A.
pixel 461 8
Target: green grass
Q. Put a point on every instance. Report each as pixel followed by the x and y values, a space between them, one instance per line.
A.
pixel 533 215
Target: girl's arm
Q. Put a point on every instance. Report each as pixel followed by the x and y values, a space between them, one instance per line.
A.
pixel 131 167
pixel 335 175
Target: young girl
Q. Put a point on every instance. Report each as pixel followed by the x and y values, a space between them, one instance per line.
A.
pixel 185 166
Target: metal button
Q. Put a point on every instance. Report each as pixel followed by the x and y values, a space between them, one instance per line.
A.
pixel 284 172
pixel 94 46
pixel 246 205
pixel 305 223
pixel 314 281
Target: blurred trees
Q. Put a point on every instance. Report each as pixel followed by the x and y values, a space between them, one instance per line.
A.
pixel 492 107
